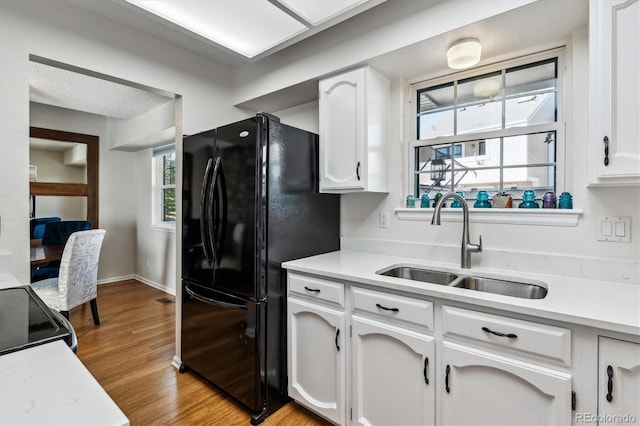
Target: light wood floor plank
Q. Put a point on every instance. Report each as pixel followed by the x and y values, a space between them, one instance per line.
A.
pixel 130 354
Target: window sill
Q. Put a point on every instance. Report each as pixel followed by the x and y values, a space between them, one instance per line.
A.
pixel 164 227
pixel 544 217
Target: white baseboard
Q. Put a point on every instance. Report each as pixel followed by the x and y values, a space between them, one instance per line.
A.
pixel 176 362
pixel 166 289
pixel 116 279
pixel 142 279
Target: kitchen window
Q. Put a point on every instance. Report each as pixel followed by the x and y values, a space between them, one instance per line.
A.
pixel 497 129
pixel 164 159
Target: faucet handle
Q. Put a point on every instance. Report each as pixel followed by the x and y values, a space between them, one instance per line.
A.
pixel 480 244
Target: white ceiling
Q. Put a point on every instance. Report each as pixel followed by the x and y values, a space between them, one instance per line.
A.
pixel 501 35
pixel 63 88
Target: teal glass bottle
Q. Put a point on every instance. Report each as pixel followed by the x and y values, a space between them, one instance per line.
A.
pixel 411 201
pixel 437 198
pixel 455 203
pixel 565 202
pixel 482 200
pixel 528 200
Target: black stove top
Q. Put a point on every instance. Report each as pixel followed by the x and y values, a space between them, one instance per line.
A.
pixel 25 321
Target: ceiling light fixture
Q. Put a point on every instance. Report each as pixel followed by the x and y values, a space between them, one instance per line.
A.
pixel 464 53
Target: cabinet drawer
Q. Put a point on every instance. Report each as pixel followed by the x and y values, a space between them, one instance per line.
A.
pixel 525 336
pixel 401 308
pixel 318 289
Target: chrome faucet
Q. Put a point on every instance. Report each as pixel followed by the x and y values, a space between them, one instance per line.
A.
pixel 467 248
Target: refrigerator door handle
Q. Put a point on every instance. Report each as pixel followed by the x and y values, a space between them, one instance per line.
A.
pixel 203 212
pixel 213 302
pixel 217 212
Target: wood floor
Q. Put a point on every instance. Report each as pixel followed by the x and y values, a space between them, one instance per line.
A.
pixel 130 354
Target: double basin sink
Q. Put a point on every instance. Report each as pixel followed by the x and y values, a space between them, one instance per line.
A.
pixel 483 284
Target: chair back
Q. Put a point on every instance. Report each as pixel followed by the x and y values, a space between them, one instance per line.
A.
pixel 78 279
pixel 57 233
pixel 37 226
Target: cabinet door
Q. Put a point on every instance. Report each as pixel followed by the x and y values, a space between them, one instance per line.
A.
pixel 316 348
pixel 342 127
pixel 392 375
pixel 618 381
pixel 615 89
pixel 482 388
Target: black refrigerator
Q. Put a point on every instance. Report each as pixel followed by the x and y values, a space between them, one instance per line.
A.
pixel 250 202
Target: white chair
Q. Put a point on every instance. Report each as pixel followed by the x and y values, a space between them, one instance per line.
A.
pixel 78 280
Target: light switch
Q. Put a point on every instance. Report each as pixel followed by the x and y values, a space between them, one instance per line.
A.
pixel 614 228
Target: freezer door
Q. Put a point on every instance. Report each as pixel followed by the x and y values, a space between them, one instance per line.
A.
pixel 197 176
pixel 220 341
pixel 235 198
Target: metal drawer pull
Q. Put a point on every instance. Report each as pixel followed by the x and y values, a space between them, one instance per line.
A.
pixel 337 335
pixel 387 309
pixel 358 170
pixel 497 333
pixel 606 150
pixel 315 290
pixel 446 379
pixel 610 383
pixel 425 372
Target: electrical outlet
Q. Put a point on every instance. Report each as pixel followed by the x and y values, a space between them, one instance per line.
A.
pixel 383 219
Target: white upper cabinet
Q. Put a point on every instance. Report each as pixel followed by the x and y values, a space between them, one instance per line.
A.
pixel 614 92
pixel 353 125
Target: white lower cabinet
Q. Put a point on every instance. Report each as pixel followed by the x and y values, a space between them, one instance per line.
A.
pixel 618 381
pixel 484 388
pixel 392 375
pixel 317 359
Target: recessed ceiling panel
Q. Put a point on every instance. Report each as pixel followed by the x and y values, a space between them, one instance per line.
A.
pixel 248 27
pixel 318 11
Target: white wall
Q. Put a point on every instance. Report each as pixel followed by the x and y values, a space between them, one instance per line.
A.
pixel 116 194
pixel 61 32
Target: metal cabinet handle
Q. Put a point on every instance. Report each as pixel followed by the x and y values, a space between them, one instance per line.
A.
pixel 425 372
pixel 610 383
pixel 497 333
pixel 446 379
pixel 337 335
pixel 606 150
pixel 314 290
pixel 384 308
pixel 358 170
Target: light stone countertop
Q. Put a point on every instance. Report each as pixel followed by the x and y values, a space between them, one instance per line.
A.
pixel 49 385
pixel 600 304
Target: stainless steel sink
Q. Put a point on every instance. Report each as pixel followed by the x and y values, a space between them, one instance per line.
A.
pixel 417 274
pixel 506 288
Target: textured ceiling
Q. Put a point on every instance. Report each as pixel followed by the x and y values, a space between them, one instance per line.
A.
pixel 67 89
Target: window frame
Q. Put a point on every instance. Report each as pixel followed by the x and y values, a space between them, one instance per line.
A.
pixel 559 126
pixel 159 187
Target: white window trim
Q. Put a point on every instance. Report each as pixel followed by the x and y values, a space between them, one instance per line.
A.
pixel 545 217
pixel 157 187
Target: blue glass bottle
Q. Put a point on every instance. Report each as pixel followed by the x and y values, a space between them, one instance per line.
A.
pixel 411 201
pixel 529 200
pixel 424 201
pixel 482 200
pixel 455 202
